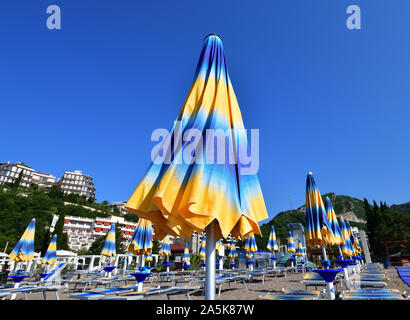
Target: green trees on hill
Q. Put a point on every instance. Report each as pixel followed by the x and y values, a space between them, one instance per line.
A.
pixel 384 224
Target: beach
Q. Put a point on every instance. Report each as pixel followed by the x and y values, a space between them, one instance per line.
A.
pixel 237 291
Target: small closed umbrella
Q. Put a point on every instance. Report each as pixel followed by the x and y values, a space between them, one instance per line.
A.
pixel 24 249
pixel 109 249
pixel 50 257
pixel 272 245
pixel 232 254
pixel 250 249
pixel 202 252
pixel 23 252
pixel 299 249
pixel 141 240
pixel 165 250
pixel 186 258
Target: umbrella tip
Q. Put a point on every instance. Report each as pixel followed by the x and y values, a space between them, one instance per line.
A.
pixel 213 34
pixel 310 173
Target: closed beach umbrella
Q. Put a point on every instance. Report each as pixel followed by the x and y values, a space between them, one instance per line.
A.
pixel 185 257
pixel 232 251
pixel 108 248
pixel 272 243
pixel 180 194
pixel 299 249
pixel 148 258
pixel 318 228
pixel 347 247
pixel 165 249
pixel 334 225
pixel 24 249
pixel 201 252
pixel 291 243
pixel 141 241
pixel 50 256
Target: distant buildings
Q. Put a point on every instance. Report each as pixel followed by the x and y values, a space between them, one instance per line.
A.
pixel 75 182
pixel 82 232
pixel 72 182
pixel 9 173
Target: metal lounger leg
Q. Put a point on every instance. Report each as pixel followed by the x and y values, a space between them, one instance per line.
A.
pixel 57 296
pixel 44 295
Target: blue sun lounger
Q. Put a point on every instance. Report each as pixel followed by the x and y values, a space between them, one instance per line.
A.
pixel 373 294
pixel 291 295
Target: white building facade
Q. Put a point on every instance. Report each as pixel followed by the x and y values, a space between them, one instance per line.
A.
pixel 75 182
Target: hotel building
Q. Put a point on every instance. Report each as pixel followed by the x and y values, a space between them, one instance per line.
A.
pixel 75 182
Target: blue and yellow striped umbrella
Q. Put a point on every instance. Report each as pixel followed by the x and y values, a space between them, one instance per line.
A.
pixel 179 196
pixel 24 249
pixel 250 245
pixel 347 247
pixel 165 249
pixel 50 256
pixel 202 250
pixel 108 248
pixel 148 257
pixel 299 249
pixel 186 257
pixel 232 251
pixel 272 243
pixel 334 225
pixel 218 247
pixel 291 244
pixel 318 228
pixel 353 239
pixel 141 241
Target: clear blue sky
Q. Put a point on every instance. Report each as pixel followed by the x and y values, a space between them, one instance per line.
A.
pixel 326 99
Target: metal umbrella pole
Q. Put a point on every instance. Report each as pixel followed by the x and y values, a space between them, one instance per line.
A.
pixel 210 284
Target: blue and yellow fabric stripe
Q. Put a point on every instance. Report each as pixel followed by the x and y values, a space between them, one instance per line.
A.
pixel 141 240
pixel 272 242
pixel 291 244
pixel 334 225
pixel 24 249
pixel 317 229
pixel 165 247
pixel 109 249
pixel 50 256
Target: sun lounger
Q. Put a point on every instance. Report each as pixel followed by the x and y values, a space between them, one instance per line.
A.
pixel 373 294
pixel 291 295
pixel 314 279
pixel 225 280
pixel 167 291
pixel 4 293
pixel 100 294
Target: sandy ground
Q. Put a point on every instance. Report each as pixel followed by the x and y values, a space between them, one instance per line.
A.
pixel 238 290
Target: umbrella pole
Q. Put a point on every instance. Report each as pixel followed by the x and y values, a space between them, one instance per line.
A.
pixel 324 254
pixel 210 284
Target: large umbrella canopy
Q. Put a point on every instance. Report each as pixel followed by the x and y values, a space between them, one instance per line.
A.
pixel 51 254
pixel 250 245
pixel 232 251
pixel 334 225
pixel 272 243
pixel 202 252
pixel 179 195
pixel 347 247
pixel 165 247
pixel 299 249
pixel 24 249
pixel 318 228
pixel 141 241
pixel 186 257
pixel 291 243
pixel 108 248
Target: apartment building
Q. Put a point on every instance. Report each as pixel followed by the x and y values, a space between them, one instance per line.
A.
pixel 75 182
pixel 9 172
pixel 82 232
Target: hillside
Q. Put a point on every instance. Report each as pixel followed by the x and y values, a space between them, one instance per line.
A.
pixel 349 208
pixel 402 208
